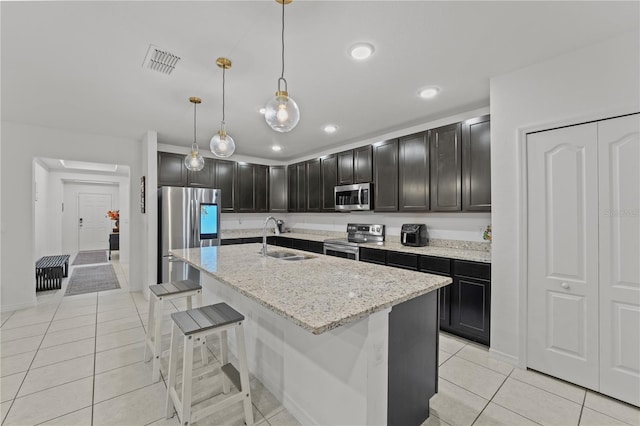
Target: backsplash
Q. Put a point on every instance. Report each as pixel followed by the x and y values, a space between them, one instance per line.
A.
pixel 440 226
pixel 450 230
pixel 468 227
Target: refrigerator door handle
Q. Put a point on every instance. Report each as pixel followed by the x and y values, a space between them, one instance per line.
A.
pixel 194 205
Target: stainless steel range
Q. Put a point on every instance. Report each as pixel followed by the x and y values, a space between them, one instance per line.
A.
pixel 357 233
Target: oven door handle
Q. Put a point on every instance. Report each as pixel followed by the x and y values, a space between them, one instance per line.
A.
pixel 340 248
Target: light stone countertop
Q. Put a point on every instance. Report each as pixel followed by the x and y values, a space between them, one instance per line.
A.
pixel 452 253
pixel 318 294
pixel 455 250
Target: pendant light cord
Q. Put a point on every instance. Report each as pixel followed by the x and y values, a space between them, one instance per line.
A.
pixel 223 81
pixel 282 75
pixel 194 124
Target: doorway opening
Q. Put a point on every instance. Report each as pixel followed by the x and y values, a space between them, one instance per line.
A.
pixel 81 207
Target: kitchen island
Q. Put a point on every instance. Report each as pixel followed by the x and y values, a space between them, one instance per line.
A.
pixel 337 341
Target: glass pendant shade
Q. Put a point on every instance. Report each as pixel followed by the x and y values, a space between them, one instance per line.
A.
pixel 282 113
pixel 194 161
pixel 222 145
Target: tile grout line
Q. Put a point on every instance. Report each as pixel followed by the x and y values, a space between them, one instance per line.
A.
pixel 95 346
pixel 66 414
pixel 584 398
pixel 31 363
pixel 515 412
pixel 609 398
pixel 488 368
pixel 12 312
pixel 491 401
pixel 548 391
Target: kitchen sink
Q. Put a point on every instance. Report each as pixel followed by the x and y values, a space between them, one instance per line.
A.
pixel 285 255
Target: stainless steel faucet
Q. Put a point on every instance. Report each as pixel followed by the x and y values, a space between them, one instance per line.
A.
pixel 264 233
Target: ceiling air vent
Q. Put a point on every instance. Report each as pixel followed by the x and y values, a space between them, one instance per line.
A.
pixel 160 60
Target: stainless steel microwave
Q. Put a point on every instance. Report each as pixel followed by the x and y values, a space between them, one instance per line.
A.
pixel 358 196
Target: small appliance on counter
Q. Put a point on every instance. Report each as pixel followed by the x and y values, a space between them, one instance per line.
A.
pixel 414 235
pixel 280 224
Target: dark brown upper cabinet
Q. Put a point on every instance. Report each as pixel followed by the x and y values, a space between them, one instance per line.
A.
pixel 363 164
pixel 329 170
pixel 171 169
pixel 301 199
pixel 245 188
pixel 476 164
pixel 261 189
pixel 292 184
pixel 345 167
pixel 314 185
pixel 385 176
pixel 413 153
pixel 446 168
pixel 252 188
pixel 297 187
pixel 355 166
pixel 278 188
pixel 204 178
pixel 225 180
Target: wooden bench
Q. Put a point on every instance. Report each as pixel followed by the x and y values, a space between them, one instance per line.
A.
pixel 50 270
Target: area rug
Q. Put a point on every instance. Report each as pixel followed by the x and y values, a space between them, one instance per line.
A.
pixel 90 279
pixel 89 257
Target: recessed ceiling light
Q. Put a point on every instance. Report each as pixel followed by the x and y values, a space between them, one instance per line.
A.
pixel 361 51
pixel 429 92
pixel 262 110
pixel 276 148
pixel 330 128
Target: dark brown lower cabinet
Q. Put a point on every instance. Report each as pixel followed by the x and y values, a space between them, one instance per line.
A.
pixel 471 301
pixel 440 266
pixel 373 256
pixel 465 305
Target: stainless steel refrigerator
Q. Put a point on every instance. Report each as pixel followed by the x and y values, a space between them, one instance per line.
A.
pixel 187 217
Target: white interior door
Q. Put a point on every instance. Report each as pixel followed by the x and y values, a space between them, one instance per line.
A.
pixel 619 165
pixel 563 253
pixel 93 225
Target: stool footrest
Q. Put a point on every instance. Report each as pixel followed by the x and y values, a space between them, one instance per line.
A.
pixel 209 410
pixel 234 375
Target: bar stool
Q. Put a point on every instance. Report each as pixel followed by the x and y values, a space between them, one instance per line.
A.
pixel 193 325
pixel 157 296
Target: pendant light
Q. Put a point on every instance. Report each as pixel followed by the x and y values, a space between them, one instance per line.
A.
pixel 222 145
pixel 282 113
pixel 194 160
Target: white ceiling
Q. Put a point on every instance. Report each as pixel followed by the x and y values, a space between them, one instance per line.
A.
pixel 77 65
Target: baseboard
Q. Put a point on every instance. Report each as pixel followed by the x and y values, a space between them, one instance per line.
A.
pixel 15 307
pixel 501 356
pixel 298 412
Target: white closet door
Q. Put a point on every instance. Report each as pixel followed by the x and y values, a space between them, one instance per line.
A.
pixel 619 164
pixel 563 253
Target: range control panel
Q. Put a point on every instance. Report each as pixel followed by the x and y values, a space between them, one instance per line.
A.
pixel 364 232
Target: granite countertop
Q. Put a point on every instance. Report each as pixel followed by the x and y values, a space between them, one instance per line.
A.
pixel 461 250
pixel 449 252
pixel 252 233
pixel 318 294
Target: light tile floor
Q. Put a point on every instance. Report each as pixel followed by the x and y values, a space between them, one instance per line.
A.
pixel 78 361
